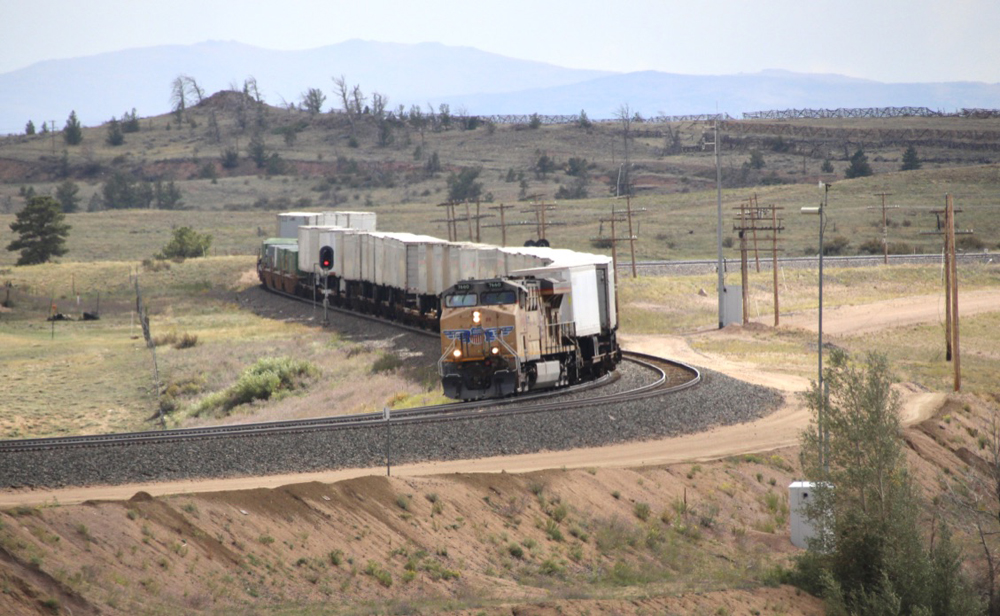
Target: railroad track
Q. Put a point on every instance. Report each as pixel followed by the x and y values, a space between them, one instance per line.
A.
pixel 666 376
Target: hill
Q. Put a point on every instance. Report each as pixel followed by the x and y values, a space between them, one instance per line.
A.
pixel 403 167
pixel 106 85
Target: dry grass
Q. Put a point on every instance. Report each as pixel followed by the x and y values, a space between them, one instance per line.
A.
pixel 677 191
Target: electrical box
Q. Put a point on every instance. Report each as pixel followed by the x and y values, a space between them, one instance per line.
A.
pixel 803 528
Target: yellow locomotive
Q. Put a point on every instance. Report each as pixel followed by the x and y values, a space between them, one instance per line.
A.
pixel 527 332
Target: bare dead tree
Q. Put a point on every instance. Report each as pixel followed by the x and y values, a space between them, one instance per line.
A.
pixel 344 94
pixel 625 118
pixel 178 97
pixel 379 104
pixel 191 85
pixel 358 100
pixel 250 89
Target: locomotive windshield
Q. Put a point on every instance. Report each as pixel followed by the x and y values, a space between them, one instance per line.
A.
pixel 496 298
pixel 460 300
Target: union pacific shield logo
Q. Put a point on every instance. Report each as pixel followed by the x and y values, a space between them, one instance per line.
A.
pixel 478 335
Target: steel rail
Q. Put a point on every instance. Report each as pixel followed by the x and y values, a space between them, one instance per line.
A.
pixel 462 410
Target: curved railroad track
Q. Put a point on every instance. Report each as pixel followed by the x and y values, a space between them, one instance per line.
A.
pixel 666 376
pixel 546 420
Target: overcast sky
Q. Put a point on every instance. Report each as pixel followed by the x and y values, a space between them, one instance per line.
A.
pixel 884 40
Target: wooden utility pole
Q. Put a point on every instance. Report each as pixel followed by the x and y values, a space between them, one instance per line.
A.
pixel 615 217
pixel 753 218
pixel 631 236
pixel 951 328
pixel 539 208
pixel 949 206
pixel 744 275
pixel 503 221
pixel 774 261
pixel 885 226
pixel 452 220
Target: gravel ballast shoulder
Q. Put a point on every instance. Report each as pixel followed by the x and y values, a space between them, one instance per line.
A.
pixel 718 400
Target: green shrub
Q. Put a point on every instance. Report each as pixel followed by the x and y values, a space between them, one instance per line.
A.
pixel 384 577
pixel 267 378
pixel 641 511
pixel 516 551
pixel 386 362
pixel 553 532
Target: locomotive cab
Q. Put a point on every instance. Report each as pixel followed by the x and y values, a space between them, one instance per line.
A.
pixel 479 345
pixel 501 337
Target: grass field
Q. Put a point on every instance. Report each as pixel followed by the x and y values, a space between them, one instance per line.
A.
pixel 96 376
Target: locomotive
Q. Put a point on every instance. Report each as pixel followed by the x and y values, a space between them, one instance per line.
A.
pixel 511 319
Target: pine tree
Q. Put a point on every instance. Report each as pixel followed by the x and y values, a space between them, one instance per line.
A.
pixel 41 231
pixel 115 135
pixel 859 166
pixel 73 132
pixel 67 194
pixel 29 128
pixel 910 159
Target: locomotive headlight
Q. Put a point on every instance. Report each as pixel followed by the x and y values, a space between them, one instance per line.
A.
pixel 495 351
pixel 457 353
pixel 476 316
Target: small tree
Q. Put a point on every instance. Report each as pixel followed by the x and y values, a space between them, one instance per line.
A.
pixel 116 136
pixel 859 166
pixel 312 100
pixel 544 166
pixel 29 128
pixel 910 159
pixel 41 230
pixel 167 196
pixel 463 186
pixel 756 160
pixel 827 166
pixel 186 243
pixel 583 121
pixel 73 132
pixel 535 122
pixel 865 503
pixel 230 158
pixel 257 150
pixel 67 194
pixel 130 122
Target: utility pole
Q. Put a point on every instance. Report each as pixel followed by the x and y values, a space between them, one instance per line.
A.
pixel 822 389
pixel 718 199
pixel 950 284
pixel 503 221
pixel 954 291
pixel 631 236
pixel 885 226
pixel 948 231
pixel 615 217
pixel 753 218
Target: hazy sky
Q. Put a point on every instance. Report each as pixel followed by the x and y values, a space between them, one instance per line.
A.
pixel 885 40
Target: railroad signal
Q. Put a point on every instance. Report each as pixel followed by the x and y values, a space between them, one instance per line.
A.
pixel 326 257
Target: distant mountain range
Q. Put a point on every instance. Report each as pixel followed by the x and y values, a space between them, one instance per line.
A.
pixel 99 87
